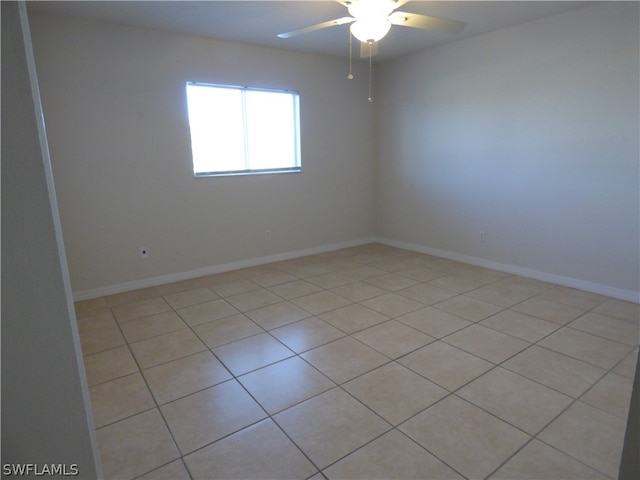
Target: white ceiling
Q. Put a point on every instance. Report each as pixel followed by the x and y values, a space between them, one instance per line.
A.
pixel 258 22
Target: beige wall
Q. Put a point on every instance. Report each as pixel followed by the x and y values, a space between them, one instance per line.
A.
pixel 115 108
pixel 46 414
pixel 529 134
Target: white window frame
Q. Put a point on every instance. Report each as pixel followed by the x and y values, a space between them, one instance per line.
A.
pixel 296 167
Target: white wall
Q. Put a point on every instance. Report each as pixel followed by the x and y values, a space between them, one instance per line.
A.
pixel 528 133
pixel 114 103
pixel 46 415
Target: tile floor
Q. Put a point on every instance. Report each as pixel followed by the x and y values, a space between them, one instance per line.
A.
pixel 369 362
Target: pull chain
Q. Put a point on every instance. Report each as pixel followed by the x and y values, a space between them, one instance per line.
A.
pixel 370 51
pixel 350 76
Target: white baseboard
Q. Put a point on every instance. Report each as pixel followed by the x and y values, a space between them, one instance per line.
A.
pixel 622 294
pixel 227 267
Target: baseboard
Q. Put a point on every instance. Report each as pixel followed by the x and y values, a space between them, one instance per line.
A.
pixel 227 267
pixel 628 295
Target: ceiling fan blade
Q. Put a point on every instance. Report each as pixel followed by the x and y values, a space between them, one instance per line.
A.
pixel 318 26
pixel 426 22
pixel 367 50
pixel 400 3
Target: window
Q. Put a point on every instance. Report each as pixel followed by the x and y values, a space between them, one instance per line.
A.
pixel 241 130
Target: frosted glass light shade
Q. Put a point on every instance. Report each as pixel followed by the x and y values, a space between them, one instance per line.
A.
pixel 370 29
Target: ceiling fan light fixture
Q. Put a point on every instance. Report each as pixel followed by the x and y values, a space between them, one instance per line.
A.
pixel 370 29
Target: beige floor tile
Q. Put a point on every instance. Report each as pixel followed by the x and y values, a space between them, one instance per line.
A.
pixel 172 471
pixel 465 437
pixel 445 365
pixel 147 327
pixel 272 278
pixel 330 426
pixel 99 332
pixel 612 394
pixel 434 322
pixel 573 297
pixel 226 330
pixel 486 343
pixel 484 274
pixel 562 373
pixel 206 312
pixel 210 414
pixel 227 285
pixel 252 353
pixel 549 310
pixel 395 262
pixel 352 318
pixel 520 325
pixel 295 289
pixel 614 329
pixel 306 334
pixel 600 435
pixel 190 297
pixel 305 269
pixel 446 265
pixel 320 302
pixel 358 291
pixel 277 315
pixel 284 384
pixel 109 364
pixel 515 399
pixel 135 445
pixel 627 367
pixel 620 309
pixel 467 307
pixel 393 338
pixel 392 282
pixel 421 274
pixel 344 359
pixel 253 299
pixel 260 451
pixel 456 284
pixel 372 303
pixel 426 294
pixel 131 296
pixel 331 280
pixel 586 347
pixel 394 392
pixel 142 308
pixel 120 398
pixel 500 296
pixel 391 456
pixel 358 271
pixel 86 308
pixel 167 347
pixel 392 305
pixel 184 376
pixel 524 285
pixel 181 285
pixel 538 461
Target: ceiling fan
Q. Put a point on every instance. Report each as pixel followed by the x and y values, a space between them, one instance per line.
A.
pixel 371 20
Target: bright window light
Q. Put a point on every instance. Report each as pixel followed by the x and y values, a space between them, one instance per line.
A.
pixel 241 130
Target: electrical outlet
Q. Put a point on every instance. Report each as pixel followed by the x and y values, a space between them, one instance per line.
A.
pixel 267 234
pixel 144 252
pixel 483 236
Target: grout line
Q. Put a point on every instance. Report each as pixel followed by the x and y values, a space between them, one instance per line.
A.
pixel 382 259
